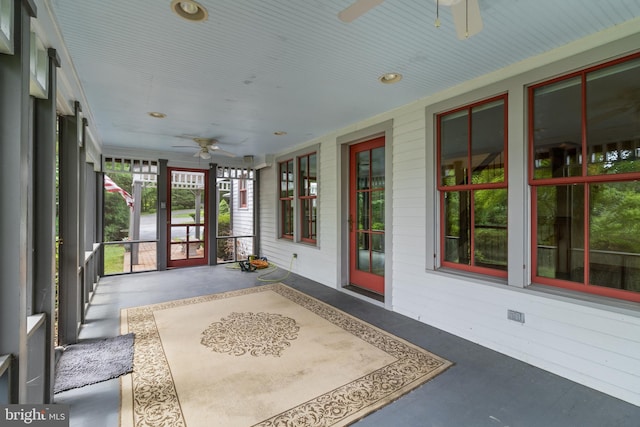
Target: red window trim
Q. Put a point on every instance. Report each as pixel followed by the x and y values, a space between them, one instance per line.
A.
pixel 585 286
pixel 470 187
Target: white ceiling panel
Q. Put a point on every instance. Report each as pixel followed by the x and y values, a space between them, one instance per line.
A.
pixel 259 66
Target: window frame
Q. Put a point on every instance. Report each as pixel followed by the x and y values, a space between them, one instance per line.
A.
pixel 468 185
pixel 286 200
pixel 310 197
pixel 242 192
pixel 584 179
pixel 296 200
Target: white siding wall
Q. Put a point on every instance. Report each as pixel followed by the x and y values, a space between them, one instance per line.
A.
pixel 242 217
pixel 591 340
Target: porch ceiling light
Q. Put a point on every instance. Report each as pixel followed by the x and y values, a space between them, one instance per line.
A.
pixel 157 115
pixel 388 78
pixel 189 10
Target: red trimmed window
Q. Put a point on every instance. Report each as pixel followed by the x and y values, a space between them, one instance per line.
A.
pixel 242 192
pixel 472 160
pixel 286 199
pixel 307 194
pixel 584 151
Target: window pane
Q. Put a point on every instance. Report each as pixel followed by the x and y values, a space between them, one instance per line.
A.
pixel 457 226
pixel 290 178
pixel 614 235
pixel 613 114
pixel 287 217
pixel 557 124
pixel 454 148
pixel 490 228
pixel 309 219
pixel 313 176
pixel 303 173
pixel 286 179
pixel 560 239
pixel 487 143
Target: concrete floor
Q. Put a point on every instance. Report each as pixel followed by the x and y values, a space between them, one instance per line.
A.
pixel 483 388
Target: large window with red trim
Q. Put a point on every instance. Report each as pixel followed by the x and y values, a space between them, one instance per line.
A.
pixel 472 161
pixel 584 151
pixel 307 195
pixel 286 198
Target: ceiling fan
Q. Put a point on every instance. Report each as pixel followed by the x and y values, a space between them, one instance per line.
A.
pixel 208 146
pixel 466 14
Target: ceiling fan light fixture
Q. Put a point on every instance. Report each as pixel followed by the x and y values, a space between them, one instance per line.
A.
pixel 205 155
pixel 189 10
pixel 389 78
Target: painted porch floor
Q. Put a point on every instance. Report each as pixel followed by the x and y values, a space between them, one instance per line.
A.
pixel 484 388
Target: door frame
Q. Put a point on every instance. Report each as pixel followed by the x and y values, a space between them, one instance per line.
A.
pixel 189 262
pixel 384 129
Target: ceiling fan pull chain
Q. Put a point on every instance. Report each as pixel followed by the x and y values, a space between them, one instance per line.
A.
pixel 437 23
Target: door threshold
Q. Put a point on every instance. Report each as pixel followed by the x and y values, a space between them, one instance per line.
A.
pixel 365 292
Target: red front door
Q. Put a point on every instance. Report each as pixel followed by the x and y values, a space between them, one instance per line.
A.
pixel 366 215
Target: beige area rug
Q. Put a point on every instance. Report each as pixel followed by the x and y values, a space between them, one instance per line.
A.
pixel 268 356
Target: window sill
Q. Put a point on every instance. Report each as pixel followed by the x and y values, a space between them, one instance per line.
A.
pixel 598 302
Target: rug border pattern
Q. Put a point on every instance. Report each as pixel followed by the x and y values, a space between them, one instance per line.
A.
pixel 152 380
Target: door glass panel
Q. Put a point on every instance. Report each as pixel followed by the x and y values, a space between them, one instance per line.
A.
pixel 364 263
pixel 362 213
pixel 377 168
pixel 363 166
pixel 377 254
pixel 377 210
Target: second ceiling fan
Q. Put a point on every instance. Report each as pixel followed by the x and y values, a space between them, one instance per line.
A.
pixel 466 14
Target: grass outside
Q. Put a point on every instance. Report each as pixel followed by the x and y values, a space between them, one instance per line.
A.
pixel 113 259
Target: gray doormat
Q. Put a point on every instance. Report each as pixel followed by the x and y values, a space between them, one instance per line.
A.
pixel 94 361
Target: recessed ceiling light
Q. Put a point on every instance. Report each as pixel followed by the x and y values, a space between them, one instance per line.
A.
pixel 279 133
pixel 189 10
pixel 157 115
pixel 388 78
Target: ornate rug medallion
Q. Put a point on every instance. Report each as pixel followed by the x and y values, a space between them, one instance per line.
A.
pixel 336 368
pixel 259 334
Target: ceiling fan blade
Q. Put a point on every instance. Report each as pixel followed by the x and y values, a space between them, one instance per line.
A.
pixel 466 17
pixel 357 9
pixel 217 150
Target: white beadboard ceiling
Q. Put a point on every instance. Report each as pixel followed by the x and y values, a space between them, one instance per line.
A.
pixel 260 66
